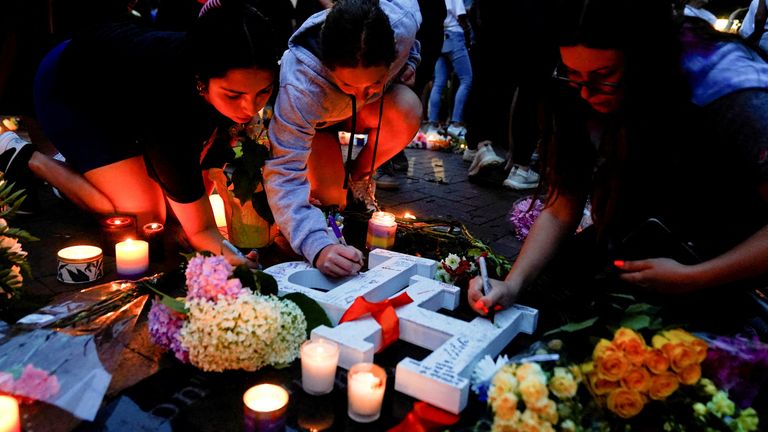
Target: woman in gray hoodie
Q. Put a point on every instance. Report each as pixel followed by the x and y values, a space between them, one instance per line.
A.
pixel 346 68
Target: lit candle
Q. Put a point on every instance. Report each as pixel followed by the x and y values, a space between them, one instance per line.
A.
pixel 409 215
pixel 80 264
pixel 9 414
pixel 265 406
pixel 117 228
pixel 132 257
pixel 219 214
pixel 381 231
pixel 319 359
pixel 153 234
pixel 365 392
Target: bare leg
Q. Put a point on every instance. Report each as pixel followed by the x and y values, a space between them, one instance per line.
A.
pixel 400 122
pixel 326 170
pixel 71 183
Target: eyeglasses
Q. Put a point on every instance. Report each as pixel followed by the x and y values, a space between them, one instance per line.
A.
pixel 602 87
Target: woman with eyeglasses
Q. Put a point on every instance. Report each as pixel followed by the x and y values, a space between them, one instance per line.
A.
pixel 678 192
pixel 135 111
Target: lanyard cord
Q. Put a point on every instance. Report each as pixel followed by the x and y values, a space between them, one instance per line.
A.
pixel 349 161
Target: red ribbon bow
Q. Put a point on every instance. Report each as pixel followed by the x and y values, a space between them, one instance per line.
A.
pixel 425 418
pixel 384 314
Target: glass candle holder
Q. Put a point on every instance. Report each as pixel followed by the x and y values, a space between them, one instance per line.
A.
pixel 365 392
pixel 265 407
pixel 381 231
pixel 9 414
pixel 319 359
pixel 115 229
pixel 153 233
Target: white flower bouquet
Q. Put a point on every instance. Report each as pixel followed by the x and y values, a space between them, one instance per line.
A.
pixel 221 324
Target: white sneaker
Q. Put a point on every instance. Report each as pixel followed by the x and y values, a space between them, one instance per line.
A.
pixel 456 131
pixel 520 180
pixel 364 191
pixel 469 155
pixel 484 158
pixel 10 147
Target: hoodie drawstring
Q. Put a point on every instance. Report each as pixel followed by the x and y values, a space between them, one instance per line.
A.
pixel 349 161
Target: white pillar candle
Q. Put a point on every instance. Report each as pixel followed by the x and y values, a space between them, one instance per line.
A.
pixel 319 359
pixel 365 392
pixel 132 257
pixel 9 414
pixel 217 204
pixel 265 406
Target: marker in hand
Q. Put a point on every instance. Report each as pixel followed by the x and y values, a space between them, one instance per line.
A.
pixel 486 284
pixel 336 230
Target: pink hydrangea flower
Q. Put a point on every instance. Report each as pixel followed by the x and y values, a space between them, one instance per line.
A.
pixel 207 277
pixel 164 327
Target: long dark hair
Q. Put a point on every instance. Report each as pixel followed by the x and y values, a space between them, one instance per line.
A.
pixel 357 33
pixel 646 32
pixel 230 36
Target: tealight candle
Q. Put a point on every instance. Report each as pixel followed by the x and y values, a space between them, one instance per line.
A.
pixel 381 231
pixel 265 407
pixel 117 228
pixel 132 257
pixel 153 234
pixel 365 392
pixel 319 359
pixel 219 214
pixel 9 414
pixel 80 264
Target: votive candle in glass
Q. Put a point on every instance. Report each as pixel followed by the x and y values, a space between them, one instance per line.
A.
pixel 115 229
pixel 153 234
pixel 365 392
pixel 9 414
pixel 219 214
pixel 381 231
pixel 132 257
pixel 265 407
pixel 319 359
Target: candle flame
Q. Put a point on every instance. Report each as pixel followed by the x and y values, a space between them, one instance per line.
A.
pixel 409 215
pixel 265 397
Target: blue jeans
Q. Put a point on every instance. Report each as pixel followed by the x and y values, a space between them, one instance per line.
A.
pixel 454 56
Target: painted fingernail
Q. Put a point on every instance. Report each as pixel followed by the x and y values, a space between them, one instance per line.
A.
pixel 619 263
pixel 497 308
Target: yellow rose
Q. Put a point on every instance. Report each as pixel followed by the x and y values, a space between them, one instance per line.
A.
pixel 602 346
pixel 563 384
pixel 656 361
pixel 505 380
pixel 505 406
pixel 601 386
pixel 680 355
pixel 637 379
pixel 612 364
pixel 625 403
pixel 528 370
pixel 690 375
pixel 631 344
pixel 663 385
pixel 534 392
pixel 546 411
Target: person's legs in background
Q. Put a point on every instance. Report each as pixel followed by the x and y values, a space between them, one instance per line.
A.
pixel 459 57
pixel 525 132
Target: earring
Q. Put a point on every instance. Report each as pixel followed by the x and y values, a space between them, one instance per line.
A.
pixel 202 89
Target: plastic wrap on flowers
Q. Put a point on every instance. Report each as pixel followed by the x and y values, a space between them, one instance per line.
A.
pixel 222 325
pixel 523 215
pixel 63 353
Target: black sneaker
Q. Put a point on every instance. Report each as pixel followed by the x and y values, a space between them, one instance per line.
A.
pixel 399 162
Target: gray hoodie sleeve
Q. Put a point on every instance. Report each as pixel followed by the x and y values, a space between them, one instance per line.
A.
pixel 287 185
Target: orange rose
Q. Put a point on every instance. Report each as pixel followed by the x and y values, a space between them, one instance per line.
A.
pixel 631 344
pixel 700 349
pixel 625 403
pixel 656 361
pixel 600 386
pixel 637 379
pixel 680 355
pixel 612 365
pixel 663 385
pixel 690 375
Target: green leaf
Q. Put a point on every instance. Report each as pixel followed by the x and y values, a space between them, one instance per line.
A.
pixel 636 322
pixel 267 284
pixel 170 302
pixel 623 296
pixel 573 327
pixel 313 313
pixel 642 308
pixel 261 205
pixel 243 186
